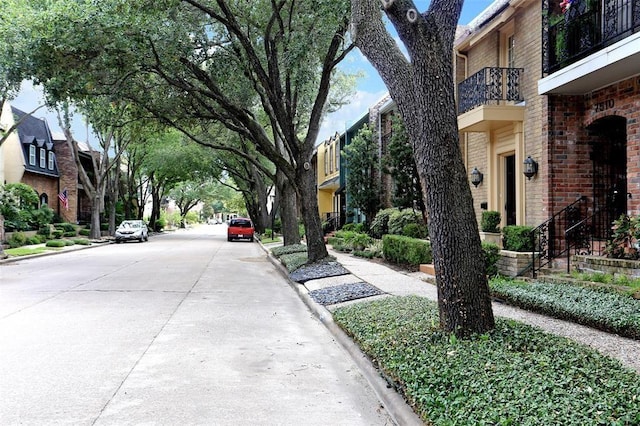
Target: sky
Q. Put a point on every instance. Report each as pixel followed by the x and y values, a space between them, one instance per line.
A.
pixel 370 89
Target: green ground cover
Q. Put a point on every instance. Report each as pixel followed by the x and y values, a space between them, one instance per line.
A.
pixel 515 375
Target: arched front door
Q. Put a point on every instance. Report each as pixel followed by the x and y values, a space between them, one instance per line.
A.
pixel 609 158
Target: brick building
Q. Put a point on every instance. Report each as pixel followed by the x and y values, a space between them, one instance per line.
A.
pixel 35 156
pixel 555 90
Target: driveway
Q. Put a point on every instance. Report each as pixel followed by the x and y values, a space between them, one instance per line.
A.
pixel 184 329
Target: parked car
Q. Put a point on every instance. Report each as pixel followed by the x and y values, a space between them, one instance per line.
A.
pixel 132 230
pixel 240 228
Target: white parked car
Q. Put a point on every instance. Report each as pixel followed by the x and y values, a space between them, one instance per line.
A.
pixel 132 230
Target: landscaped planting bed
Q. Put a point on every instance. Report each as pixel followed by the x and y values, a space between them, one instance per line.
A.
pixel 515 375
pixel 598 308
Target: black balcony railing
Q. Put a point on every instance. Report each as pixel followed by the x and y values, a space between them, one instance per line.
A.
pixel 490 86
pixel 584 28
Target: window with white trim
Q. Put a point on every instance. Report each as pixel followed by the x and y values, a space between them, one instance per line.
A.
pixel 32 155
pixel 43 158
pixel 51 160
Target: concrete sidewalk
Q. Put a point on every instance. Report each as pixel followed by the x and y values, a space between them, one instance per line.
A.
pixel 402 283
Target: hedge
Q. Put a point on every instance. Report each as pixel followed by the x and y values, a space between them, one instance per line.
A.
pixel 406 251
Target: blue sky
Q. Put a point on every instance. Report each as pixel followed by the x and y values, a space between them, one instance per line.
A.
pixel 370 88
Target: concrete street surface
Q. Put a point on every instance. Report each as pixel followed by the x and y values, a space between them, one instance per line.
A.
pixel 185 329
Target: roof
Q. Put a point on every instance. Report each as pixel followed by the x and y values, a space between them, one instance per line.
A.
pixel 484 17
pixel 34 130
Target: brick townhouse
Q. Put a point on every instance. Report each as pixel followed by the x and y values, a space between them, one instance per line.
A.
pixel 35 156
pixel 549 101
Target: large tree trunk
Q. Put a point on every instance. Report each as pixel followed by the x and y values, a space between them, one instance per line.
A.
pixel 316 249
pixel 96 200
pixel 287 205
pixel 422 87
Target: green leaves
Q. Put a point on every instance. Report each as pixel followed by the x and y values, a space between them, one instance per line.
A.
pixel 600 309
pixel 514 375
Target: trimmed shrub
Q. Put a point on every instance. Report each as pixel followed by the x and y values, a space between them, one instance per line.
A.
pixel 85 232
pixel 82 241
pixel 45 230
pixel 517 238
pixel 18 239
pixel 400 218
pixel 414 230
pixel 406 251
pixel 66 227
pixel 491 256
pixel 380 224
pixel 56 243
pixel 68 242
pixel 57 233
pixel 33 240
pixel 69 234
pixel 490 221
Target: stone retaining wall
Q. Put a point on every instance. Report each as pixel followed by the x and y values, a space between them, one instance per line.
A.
pixel 630 268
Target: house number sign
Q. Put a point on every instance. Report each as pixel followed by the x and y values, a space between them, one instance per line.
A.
pixel 604 105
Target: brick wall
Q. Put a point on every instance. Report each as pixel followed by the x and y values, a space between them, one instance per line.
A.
pixel 570 141
pixel 43 185
pixel 68 179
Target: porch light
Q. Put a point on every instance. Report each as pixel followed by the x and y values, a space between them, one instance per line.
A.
pixel 476 177
pixel 530 167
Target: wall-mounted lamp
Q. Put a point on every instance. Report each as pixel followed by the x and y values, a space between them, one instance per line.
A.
pixel 476 177
pixel 530 167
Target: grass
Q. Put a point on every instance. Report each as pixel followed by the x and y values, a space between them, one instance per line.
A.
pixel 26 251
pixel 515 375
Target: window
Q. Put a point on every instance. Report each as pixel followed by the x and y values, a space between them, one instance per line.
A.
pixel 337 157
pixel 326 161
pixel 507 46
pixel 51 160
pixel 32 155
pixel 44 200
pixel 331 159
pixel 43 158
pixel 510 49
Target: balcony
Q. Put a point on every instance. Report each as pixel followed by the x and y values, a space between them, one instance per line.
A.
pixel 489 99
pixel 589 45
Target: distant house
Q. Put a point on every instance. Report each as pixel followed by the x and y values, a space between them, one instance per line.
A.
pixel 328 181
pixel 33 155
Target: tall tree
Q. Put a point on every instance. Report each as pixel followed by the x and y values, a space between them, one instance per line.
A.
pixel 108 119
pixel 401 166
pixel 363 184
pixel 421 84
pixel 225 61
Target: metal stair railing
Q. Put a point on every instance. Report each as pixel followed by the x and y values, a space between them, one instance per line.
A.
pixel 548 239
pixel 588 237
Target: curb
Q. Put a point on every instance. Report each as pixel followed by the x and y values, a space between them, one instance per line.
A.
pixel 52 252
pixel 393 402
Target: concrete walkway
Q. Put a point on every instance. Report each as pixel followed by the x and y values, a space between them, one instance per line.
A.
pixel 400 283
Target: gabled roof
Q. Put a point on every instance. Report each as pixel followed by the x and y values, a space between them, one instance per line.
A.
pixel 32 130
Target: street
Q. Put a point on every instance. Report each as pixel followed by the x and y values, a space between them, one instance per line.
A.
pixel 184 329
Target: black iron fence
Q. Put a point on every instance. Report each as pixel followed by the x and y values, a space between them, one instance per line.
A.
pixel 490 86
pixel 583 28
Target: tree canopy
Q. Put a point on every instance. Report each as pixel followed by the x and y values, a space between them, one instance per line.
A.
pixel 262 69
